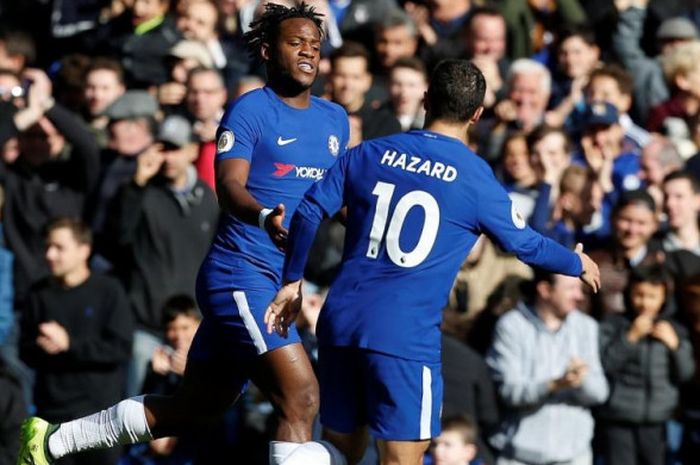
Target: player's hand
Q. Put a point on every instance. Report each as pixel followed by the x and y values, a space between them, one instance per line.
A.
pixel 590 274
pixel 284 309
pixel 275 229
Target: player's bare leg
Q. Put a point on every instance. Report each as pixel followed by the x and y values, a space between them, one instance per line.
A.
pixel 352 445
pixel 285 376
pixel 401 452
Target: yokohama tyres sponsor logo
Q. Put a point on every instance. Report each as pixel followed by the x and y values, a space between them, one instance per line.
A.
pixel 304 172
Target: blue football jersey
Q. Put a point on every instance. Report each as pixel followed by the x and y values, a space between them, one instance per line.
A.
pixel 416 204
pixel 288 149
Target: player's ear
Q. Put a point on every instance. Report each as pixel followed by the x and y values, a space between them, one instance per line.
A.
pixel 265 51
pixel 425 102
pixel 477 115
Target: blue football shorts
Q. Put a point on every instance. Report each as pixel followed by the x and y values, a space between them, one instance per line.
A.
pixel 398 399
pixel 233 298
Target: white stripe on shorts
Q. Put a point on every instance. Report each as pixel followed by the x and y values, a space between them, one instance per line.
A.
pixel 426 404
pixel 249 321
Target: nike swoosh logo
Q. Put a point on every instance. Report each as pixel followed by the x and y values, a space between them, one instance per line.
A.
pixel 281 141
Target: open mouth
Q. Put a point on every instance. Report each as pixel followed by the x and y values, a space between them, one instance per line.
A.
pixel 306 67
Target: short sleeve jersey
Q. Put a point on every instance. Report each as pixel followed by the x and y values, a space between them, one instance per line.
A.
pixel 416 204
pixel 288 149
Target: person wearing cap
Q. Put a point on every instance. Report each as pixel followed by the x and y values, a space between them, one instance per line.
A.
pixel 649 83
pixel 185 56
pixel 131 120
pixel 602 151
pixel 602 148
pixel 164 199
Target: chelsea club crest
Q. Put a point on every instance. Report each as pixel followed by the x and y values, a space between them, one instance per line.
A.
pixel 333 145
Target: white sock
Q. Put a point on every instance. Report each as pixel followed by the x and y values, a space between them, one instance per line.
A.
pixel 123 423
pixel 315 453
pixel 279 450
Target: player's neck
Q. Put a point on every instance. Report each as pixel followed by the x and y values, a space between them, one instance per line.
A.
pixel 455 130
pixel 290 94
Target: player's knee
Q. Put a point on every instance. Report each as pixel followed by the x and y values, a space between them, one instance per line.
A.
pixel 302 405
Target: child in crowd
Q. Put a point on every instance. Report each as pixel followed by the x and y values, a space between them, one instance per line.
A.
pixel 646 357
pixel 456 444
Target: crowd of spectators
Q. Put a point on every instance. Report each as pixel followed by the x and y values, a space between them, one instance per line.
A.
pixel 108 117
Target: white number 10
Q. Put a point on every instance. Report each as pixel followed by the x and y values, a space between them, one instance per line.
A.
pixel 384 192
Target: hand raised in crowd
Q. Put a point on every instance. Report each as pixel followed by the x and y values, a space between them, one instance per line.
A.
pixel 641 327
pixel 148 164
pixel 506 111
pixel 600 159
pixel 664 332
pixel 284 309
pixel 489 68
pixel 421 16
pixel 53 338
pixel 590 273
pixel 171 93
pixel 38 100
pixel 178 360
pixel 160 360
pixel 205 130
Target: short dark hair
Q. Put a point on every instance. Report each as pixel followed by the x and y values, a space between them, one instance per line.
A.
pixel 397 18
pixel 180 304
pixel 18 42
pixel 204 70
pixel 635 197
pixel 654 273
pixel 108 64
pixel 350 49
pixel 462 424
pixel 542 131
pixel 485 10
pixel 266 28
pixel 577 30
pixel 80 230
pixel 684 174
pixel 414 63
pixel 624 80
pixel 456 91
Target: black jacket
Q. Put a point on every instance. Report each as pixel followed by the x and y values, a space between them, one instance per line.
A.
pixel 644 377
pixel 160 240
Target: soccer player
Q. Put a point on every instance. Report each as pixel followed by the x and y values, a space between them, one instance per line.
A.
pixel 416 203
pixel 273 144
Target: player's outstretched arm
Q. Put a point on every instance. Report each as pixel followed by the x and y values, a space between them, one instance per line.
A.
pixel 590 274
pixel 284 308
pixel 234 198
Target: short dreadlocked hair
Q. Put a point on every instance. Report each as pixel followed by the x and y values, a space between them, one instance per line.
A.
pixel 265 29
